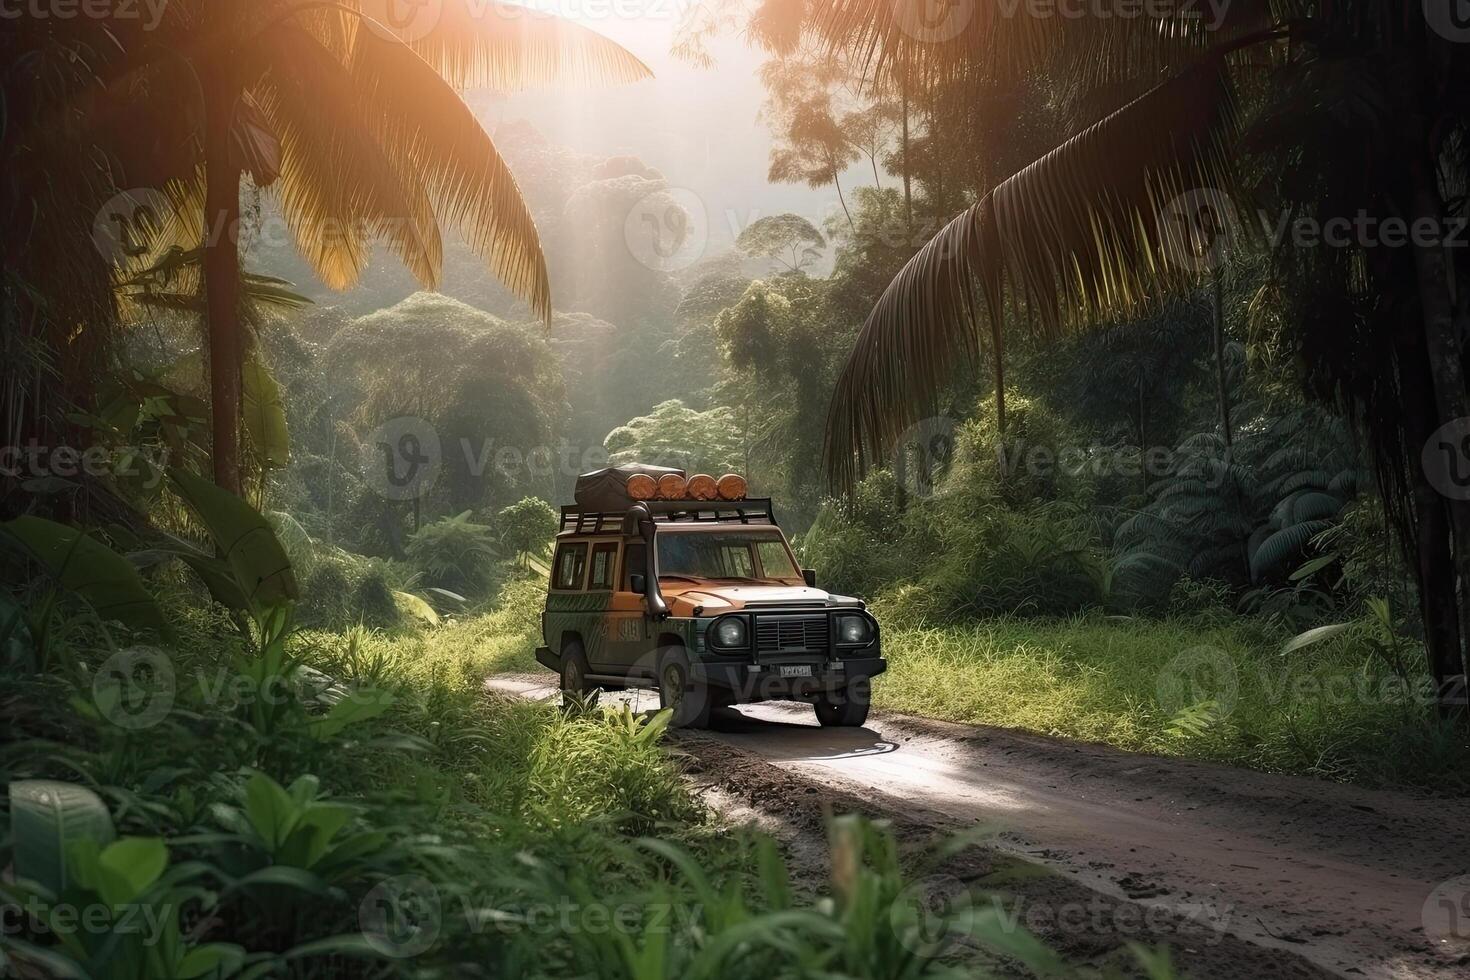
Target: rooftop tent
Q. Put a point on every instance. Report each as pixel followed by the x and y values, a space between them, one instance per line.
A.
pixel 606 491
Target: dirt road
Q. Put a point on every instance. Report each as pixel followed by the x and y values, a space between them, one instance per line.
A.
pixel 1244 874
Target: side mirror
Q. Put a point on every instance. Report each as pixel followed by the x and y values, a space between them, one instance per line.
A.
pixel 810 575
pixel 639 584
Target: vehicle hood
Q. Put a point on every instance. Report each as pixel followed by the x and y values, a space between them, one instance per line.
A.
pixel 717 598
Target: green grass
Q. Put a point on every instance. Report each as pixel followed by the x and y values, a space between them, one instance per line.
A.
pixel 1206 688
pixel 1334 709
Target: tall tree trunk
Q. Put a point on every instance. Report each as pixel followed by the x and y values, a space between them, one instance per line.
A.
pixel 1220 381
pixel 222 283
pixel 1429 548
pixel 837 182
pixel 1445 362
pixel 908 173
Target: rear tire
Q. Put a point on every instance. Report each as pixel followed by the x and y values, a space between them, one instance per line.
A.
pixel 690 701
pixel 574 684
pixel 844 709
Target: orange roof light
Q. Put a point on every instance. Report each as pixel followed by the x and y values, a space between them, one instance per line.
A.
pixel 733 487
pixel 672 487
pixel 703 487
pixel 641 486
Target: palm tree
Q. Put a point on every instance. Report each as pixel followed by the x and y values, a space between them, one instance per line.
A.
pixel 1255 110
pixel 372 142
pixel 351 121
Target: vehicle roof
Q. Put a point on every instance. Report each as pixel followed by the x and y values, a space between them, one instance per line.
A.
pixel 754 512
pixel 703 527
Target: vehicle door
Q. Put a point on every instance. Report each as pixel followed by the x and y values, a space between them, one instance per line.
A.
pixel 602 570
pixel 570 609
pixel 632 638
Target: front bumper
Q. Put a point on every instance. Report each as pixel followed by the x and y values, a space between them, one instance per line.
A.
pixel 763 682
pixel 549 660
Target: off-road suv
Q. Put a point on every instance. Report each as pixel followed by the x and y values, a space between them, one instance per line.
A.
pixel 687 587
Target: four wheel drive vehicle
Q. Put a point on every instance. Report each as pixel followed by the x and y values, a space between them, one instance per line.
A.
pixel 687 587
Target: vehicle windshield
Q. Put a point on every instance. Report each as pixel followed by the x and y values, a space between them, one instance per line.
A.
pixel 736 555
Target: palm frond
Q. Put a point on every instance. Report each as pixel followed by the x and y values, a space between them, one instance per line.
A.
pixel 340 188
pixel 1282 550
pixel 427 130
pixel 502 46
pixel 1083 234
pixel 1008 40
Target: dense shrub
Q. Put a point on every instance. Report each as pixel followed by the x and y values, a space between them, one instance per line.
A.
pixel 457 554
pixel 1004 531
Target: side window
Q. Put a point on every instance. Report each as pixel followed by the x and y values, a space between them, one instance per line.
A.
pixel 571 566
pixel 604 567
pixel 635 560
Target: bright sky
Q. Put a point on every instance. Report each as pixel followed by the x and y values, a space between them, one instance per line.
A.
pixel 700 127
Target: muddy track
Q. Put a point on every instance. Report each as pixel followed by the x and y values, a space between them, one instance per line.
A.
pixel 1244 874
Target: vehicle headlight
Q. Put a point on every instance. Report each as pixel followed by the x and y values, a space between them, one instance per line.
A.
pixel 854 630
pixel 730 632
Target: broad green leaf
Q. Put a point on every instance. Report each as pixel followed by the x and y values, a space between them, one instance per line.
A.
pixel 271 810
pixel 130 867
pixel 361 705
pixel 200 961
pixel 312 836
pixel 1313 567
pixel 1312 636
pixel 416 608
pixel 82 564
pixel 46 817
pixel 249 545
pixel 219 579
pixel 265 413
pixel 653 729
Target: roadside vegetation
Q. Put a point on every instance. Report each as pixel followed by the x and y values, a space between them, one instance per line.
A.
pixel 229 796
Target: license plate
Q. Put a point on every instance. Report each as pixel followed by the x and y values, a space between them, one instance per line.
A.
pixel 797 670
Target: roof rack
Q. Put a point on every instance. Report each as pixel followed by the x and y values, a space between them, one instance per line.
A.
pixel 758 511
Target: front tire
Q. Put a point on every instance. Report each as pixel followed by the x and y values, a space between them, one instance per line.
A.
pixel 575 687
pixel 844 709
pixel 690 701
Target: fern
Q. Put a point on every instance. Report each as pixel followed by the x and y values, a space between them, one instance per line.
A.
pixel 1195 720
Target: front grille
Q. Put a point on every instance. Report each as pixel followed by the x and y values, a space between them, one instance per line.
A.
pixel 784 634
